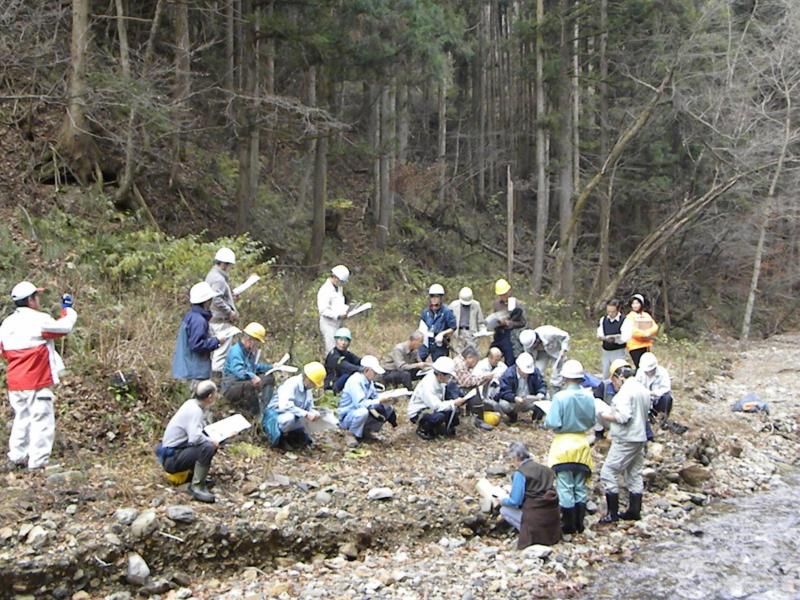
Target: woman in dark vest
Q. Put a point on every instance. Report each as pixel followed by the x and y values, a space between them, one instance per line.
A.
pixel 532 506
pixel 610 333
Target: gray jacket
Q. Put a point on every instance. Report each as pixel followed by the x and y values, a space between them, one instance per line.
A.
pixel 630 407
pixel 222 306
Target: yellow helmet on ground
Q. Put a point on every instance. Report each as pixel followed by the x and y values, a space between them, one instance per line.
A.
pixel 256 331
pixel 501 287
pixel 315 372
pixel 491 418
pixel 617 364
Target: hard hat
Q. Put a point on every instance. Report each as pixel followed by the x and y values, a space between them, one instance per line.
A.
pixel 491 418
pixel 638 297
pixel 527 337
pixel 572 369
pixel 501 287
pixel 341 273
pixel 436 290
pixel 525 363
pixel 343 332
pixel 618 364
pixel 256 331
pixel 371 362
pixel 201 292
pixel 315 372
pixel 225 255
pixel 24 289
pixel 465 296
pixel 444 365
pixel 648 362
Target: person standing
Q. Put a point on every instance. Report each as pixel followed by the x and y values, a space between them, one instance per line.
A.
pixel 340 363
pixel 403 362
pixel 360 411
pixel 627 418
pixel 639 329
pixel 26 343
pixel 609 332
pixel 191 360
pixel 331 305
pixel 244 382
pixel 428 407
pixel 508 319
pixel 292 407
pixel 185 446
pixel 532 506
pixel 549 346
pixel 469 320
pixel 439 322
pixel 223 306
pixel 571 415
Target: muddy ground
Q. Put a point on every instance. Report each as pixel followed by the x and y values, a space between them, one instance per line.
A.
pixel 301 525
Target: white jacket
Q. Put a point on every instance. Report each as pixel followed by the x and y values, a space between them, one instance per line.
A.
pixel 429 394
pixel 658 384
pixel 330 301
pixel 554 340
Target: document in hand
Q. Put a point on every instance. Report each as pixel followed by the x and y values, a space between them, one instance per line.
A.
pixel 493 320
pixel 423 329
pixel 488 493
pixel 359 309
pixel 252 280
pixel 281 366
pixel 226 428
pixel 326 422
pixel 394 394
pixel 483 333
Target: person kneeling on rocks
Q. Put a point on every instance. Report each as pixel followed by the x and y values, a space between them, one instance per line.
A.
pixel 520 386
pixel 627 417
pixel 532 506
pixel 360 411
pixel 185 446
pixel 292 406
pixel 244 382
pixel 571 415
pixel 429 407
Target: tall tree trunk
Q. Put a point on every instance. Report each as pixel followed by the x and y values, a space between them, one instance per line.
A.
pixel 387 199
pixel 311 145
pixel 314 256
pixel 75 143
pixel 182 81
pixel 576 104
pixel 480 150
pixel 374 135
pixel 764 225
pixel 403 125
pixel 230 51
pixel 248 139
pixel 126 179
pixel 441 155
pixel 605 200
pixel 542 193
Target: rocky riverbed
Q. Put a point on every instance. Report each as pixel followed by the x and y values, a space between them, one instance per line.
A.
pixel 312 525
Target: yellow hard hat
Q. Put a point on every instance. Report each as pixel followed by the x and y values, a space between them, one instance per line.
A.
pixel 617 364
pixel 491 418
pixel 256 331
pixel 502 286
pixel 315 372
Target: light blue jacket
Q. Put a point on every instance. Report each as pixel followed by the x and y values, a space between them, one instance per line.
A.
pixel 358 391
pixel 240 364
pixel 572 410
pixel 293 397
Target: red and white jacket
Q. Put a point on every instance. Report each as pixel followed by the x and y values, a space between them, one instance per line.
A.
pixel 26 342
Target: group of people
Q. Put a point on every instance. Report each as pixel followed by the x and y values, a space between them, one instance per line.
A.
pixel 215 357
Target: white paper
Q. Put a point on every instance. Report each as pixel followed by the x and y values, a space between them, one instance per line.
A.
pixel 359 309
pixel 471 394
pixel 488 493
pixel 483 333
pixel 281 366
pixel 252 280
pixel 327 422
pixel 226 428
pixel 394 394
pixel 423 328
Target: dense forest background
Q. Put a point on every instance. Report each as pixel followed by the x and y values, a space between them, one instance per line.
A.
pixel 609 145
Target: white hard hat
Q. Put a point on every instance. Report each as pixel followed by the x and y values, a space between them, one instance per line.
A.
pixel 341 273
pixel 572 369
pixel 371 362
pixel 525 363
pixel 527 337
pixel 436 290
pixel 201 292
pixel 445 365
pixel 225 255
pixel 648 362
pixel 24 289
pixel 465 296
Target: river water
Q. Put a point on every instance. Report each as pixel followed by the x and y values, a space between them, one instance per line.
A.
pixel 743 548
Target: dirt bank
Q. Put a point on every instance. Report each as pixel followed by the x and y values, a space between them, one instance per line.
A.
pixel 301 526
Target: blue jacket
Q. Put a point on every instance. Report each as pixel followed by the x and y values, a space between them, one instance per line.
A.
pixel 572 411
pixel 193 346
pixel 358 392
pixel 241 364
pixel 437 322
pixel 509 384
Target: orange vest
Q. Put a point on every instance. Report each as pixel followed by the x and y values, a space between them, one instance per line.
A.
pixel 643 325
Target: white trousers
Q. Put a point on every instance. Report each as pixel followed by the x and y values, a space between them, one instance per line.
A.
pixel 327 327
pixel 221 353
pixel 34 427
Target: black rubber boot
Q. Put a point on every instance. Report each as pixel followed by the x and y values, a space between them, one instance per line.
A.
pixel 634 512
pixel 568 520
pixel 612 509
pixel 198 488
pixel 580 515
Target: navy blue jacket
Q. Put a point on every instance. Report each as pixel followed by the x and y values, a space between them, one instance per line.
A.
pixel 193 346
pixel 437 322
pixel 339 363
pixel 509 384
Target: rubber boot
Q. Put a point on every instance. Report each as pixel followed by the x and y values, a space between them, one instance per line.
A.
pixel 568 520
pixel 198 488
pixel 612 511
pixel 634 512
pixel 580 515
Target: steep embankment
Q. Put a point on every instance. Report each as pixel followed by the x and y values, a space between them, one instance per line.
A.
pixel 301 525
